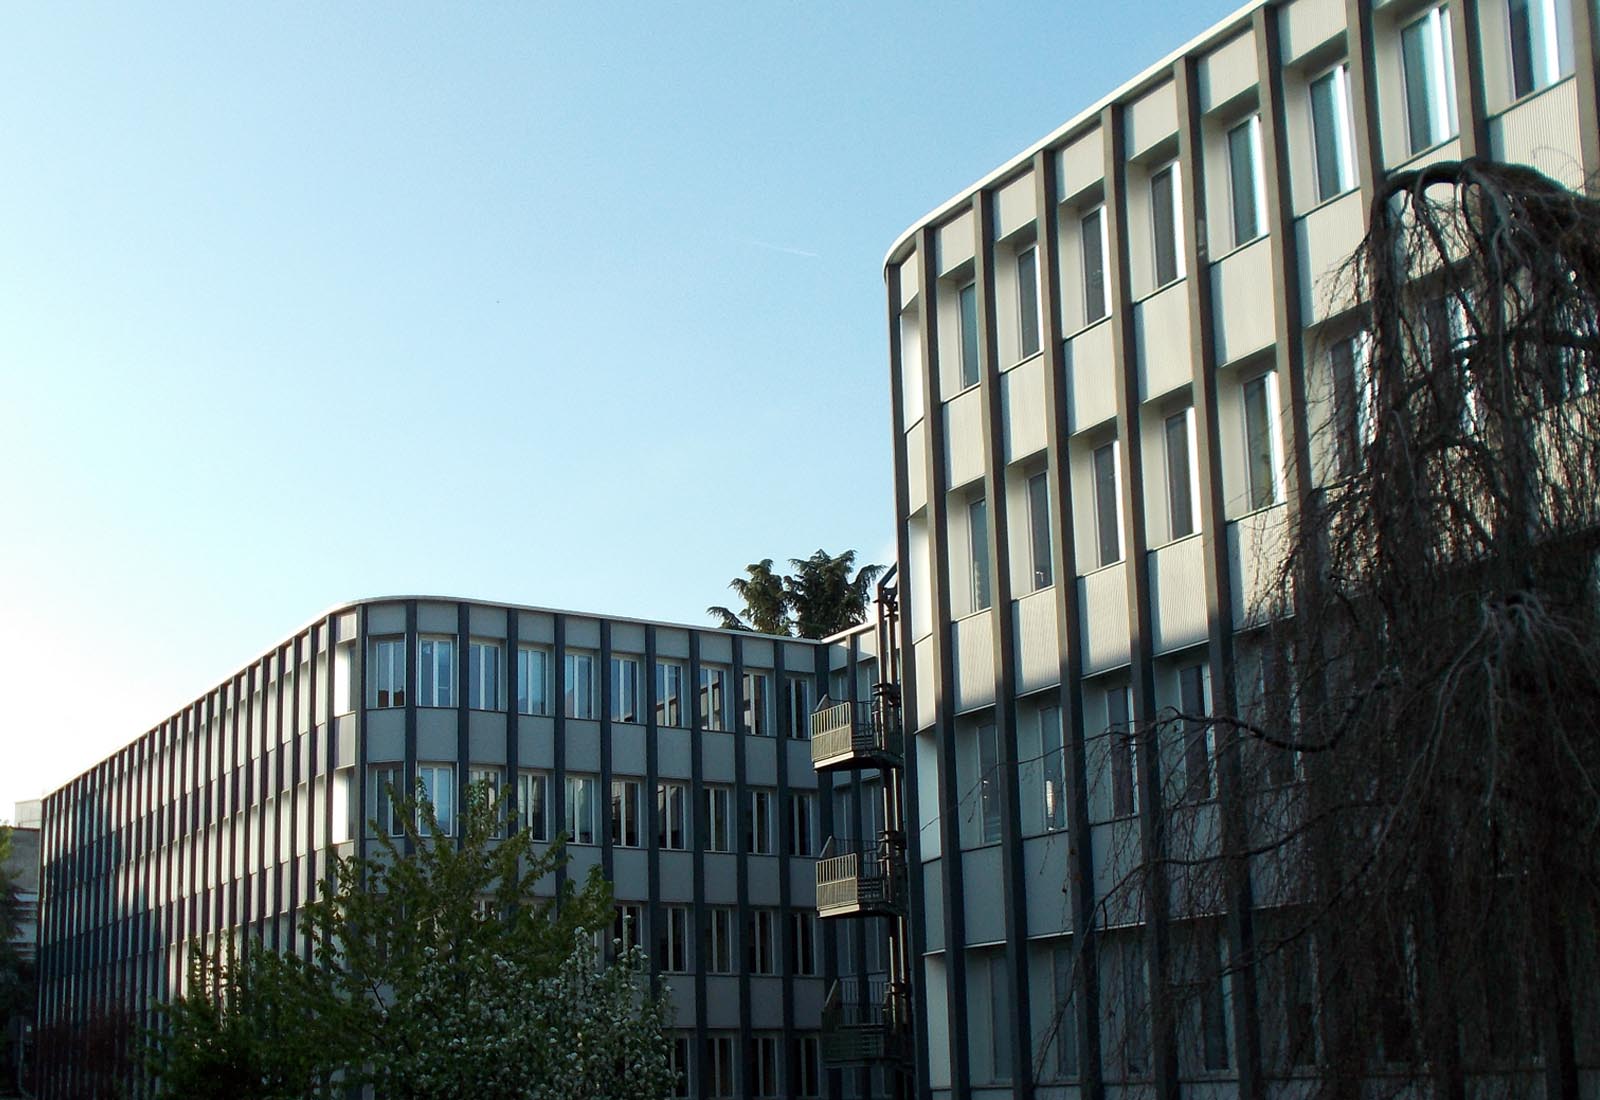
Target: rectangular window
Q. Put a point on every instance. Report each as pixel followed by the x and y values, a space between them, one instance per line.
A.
pixel 671 808
pixel 436 785
pixel 1125 1002
pixel 1213 1008
pixel 760 947
pixel 628 926
pixel 1066 1003
pixel 803 943
pixel 533 681
pixel 1028 302
pixel 807 1059
pixel 1000 1006
pixel 436 672
pixel 758 822
pixel 719 941
pixel 802 818
pixel 1164 223
pixel 714 701
pixel 721 1065
pixel 531 812
pixel 978 543
pixel 625 812
pixel 669 694
pixel 1541 51
pixel 672 943
pixel 389 788
pixel 969 335
pixel 1198 733
pixel 1244 180
pixel 989 783
pixel 1107 503
pixel 1261 439
pixel 756 709
pixel 483 676
pixel 389 672
pixel 719 824
pixel 1332 132
pixel 578 690
pixel 485 782
pixel 1352 400
pixel 1426 58
pixel 764 1065
pixel 681 1085
pixel 1181 488
pixel 1124 751
pixel 582 794
pixel 624 689
pixel 1055 768
pixel 797 703
pixel 1039 530
pixel 1092 230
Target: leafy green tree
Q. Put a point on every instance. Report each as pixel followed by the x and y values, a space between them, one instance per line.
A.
pixel 818 599
pixel 436 971
pixel 766 604
pixel 250 1027
pixel 823 595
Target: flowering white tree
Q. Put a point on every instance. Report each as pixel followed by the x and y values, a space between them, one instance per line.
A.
pixel 438 971
pixel 591 1032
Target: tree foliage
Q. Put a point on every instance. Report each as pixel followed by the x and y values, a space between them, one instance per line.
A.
pixel 766 605
pixel 1408 758
pixel 434 970
pixel 818 599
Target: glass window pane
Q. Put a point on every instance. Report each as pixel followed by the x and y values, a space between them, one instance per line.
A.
pixel 1039 529
pixel 1258 442
pixel 1028 303
pixel 1242 179
pixel 978 531
pixel 1329 113
pixel 1180 513
pixel 969 335
pixel 1094 266
pixel 1105 500
pixel 1164 226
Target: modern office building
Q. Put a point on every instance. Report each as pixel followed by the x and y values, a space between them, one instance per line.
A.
pixel 1109 361
pixel 675 758
pixel 22 869
pixel 1109 358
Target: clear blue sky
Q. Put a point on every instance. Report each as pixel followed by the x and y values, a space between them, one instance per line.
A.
pixel 578 305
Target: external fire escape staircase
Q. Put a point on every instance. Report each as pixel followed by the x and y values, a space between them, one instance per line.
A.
pixel 867 1021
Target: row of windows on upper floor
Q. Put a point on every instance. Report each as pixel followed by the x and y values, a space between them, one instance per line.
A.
pixel 1253 467
pixel 679 825
pixel 1174 466
pixel 1185 738
pixel 1539 40
pixel 436 686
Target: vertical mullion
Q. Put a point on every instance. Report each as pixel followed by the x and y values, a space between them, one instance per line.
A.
pixel 1124 352
pixel 1068 615
pixel 907 678
pixel 1001 614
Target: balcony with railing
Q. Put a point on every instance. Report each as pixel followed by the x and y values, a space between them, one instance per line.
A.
pixel 861 880
pixel 857 734
pixel 865 1020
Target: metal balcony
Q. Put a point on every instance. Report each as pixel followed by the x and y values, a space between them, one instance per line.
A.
pixel 865 1020
pixel 861 881
pixel 857 735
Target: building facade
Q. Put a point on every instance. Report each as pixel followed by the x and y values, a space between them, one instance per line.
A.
pixel 675 758
pixel 22 869
pixel 1111 362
